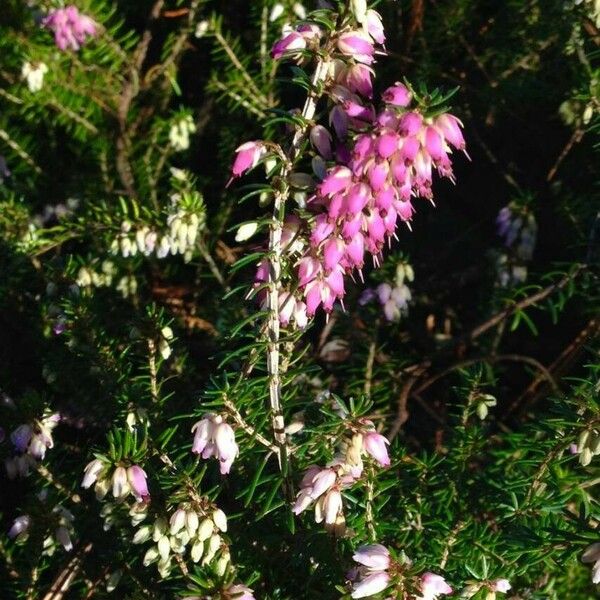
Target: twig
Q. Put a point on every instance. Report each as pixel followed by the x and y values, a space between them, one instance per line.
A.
pixel 67 575
pixel 153 370
pixel 276 228
pixel 237 417
pixel 574 139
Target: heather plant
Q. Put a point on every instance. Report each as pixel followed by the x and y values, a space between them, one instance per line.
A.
pixel 299 300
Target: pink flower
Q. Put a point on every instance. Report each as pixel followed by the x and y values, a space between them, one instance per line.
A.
pixel 375 445
pixel 432 585
pixel 21 437
pixel 398 95
pixel 358 45
pixel 320 138
pixel 215 438
pixel 371 585
pixel 375 26
pixel 70 27
pixel 247 157
pixel 291 43
pixel 136 476
pixel 374 556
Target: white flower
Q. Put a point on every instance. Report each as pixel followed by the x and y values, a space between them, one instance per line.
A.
pixel 34 73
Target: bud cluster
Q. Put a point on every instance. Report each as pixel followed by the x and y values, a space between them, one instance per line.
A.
pixel 323 486
pixel 189 527
pixel 63 531
pixel 491 588
pixel 30 442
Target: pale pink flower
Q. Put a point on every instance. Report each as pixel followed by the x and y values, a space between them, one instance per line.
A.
pixel 136 476
pixel 215 438
pixel 370 585
pixel 398 95
pixel 433 585
pixel 375 445
pixel 374 556
pixel 292 43
pixel 91 472
pixel 358 45
pixel 239 592
pixel 71 28
pixel 501 585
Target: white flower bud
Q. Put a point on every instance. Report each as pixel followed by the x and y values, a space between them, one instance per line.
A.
pixel 113 580
pixel 221 564
pixel 164 567
pixel 197 550
pixel 160 529
pixel 150 556
pixel 246 231
pixel 205 530
pixel 276 12
pixel 164 547
pixel 142 534
pixel 191 521
pixel 120 484
pixel 219 519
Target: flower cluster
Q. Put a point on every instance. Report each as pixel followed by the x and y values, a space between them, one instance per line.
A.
pixel 323 486
pixel 123 481
pixel 179 134
pixel 30 442
pixel 33 74
pixel 517 226
pixel 394 300
pixel 378 570
pixel 198 529
pixel 71 28
pixel 369 167
pixel 214 437
pixel 63 531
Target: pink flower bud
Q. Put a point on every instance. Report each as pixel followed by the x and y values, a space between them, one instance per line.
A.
pixel 203 433
pixel 308 270
pixel 303 501
pixel 247 157
pixel 320 138
pixel 410 148
pixel 338 179
pixel 410 123
pixel 450 126
pixel 373 556
pixel 434 143
pixel 333 250
pixel 357 198
pixel 371 585
pixel 21 437
pixel 137 480
pixel 355 251
pixel 321 482
pixel 376 444
pixel 291 43
pixel 224 439
pixel 358 45
pixel 398 95
pixel 387 143
pixel 358 78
